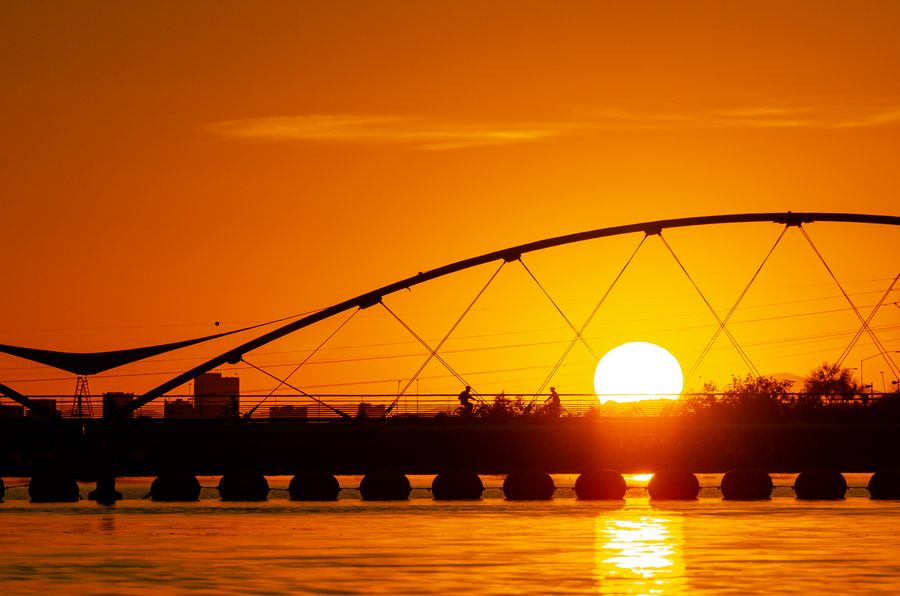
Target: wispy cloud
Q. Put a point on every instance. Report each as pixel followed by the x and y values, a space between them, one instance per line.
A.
pixel 748 117
pixel 875 118
pixel 435 134
pixel 418 132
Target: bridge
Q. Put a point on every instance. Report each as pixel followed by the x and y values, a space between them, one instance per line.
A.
pixel 397 413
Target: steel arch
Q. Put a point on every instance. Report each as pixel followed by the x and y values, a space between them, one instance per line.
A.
pixel 373 297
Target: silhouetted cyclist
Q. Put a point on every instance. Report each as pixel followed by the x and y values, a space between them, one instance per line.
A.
pixel 465 397
pixel 553 404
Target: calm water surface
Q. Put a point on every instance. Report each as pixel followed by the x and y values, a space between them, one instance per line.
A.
pixel 422 547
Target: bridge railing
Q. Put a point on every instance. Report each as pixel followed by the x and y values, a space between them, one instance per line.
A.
pixel 336 406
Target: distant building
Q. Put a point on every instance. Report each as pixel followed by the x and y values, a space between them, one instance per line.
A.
pixel 12 411
pixel 367 410
pixel 179 408
pixel 114 400
pixel 288 412
pixel 216 396
pixel 49 404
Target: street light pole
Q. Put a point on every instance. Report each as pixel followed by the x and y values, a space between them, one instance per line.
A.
pixel 861 380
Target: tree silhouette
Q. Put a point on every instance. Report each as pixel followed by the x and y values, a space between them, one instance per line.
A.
pixel 827 381
pixel 746 399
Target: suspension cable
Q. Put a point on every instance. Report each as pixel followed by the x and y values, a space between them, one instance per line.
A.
pixel 725 330
pixel 444 339
pixel 425 345
pixel 865 325
pixel 859 332
pixel 297 389
pixel 728 316
pixel 588 320
pixel 296 368
pixel 558 309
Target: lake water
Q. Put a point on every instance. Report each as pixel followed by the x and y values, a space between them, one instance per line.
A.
pixel 424 547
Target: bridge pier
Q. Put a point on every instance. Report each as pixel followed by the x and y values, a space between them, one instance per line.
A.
pixel 105 493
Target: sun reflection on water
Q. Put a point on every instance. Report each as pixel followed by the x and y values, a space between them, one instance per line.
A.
pixel 643 555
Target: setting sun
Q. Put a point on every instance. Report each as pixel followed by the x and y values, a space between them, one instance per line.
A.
pixel 637 371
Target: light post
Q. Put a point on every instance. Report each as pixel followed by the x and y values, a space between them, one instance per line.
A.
pixel 861 380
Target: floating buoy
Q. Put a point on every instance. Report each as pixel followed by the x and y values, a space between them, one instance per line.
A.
pixel 528 486
pixel 175 486
pixel 885 485
pixel 243 486
pixel 820 484
pixel 673 485
pixel 600 485
pixel 384 486
pixel 314 486
pixel 457 485
pixel 52 488
pixel 746 484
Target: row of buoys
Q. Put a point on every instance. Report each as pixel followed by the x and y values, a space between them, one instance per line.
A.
pixel 742 484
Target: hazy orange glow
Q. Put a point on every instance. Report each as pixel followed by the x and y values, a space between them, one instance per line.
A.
pixel 164 169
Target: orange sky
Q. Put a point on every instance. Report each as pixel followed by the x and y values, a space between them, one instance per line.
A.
pixel 167 165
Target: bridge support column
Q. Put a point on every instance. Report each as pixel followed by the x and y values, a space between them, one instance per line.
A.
pixel 105 493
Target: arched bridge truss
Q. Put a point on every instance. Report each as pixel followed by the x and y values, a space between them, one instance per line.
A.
pixel 83 364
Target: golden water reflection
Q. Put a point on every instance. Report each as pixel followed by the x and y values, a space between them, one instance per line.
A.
pixel 639 554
